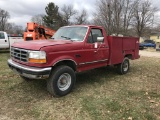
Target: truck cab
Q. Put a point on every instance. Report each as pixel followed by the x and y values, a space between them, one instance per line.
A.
pixel 4 42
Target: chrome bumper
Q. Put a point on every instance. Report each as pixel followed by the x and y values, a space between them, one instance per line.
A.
pixel 29 72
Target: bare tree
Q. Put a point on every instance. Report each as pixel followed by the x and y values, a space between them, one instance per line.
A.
pixel 12 28
pixel 120 16
pixel 81 18
pixel 4 16
pixel 127 15
pixel 18 29
pixel 38 19
pixel 9 28
pixel 109 14
pixel 67 13
pixel 143 16
pixel 117 13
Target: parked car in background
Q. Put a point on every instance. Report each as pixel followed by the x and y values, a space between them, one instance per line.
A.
pixel 141 46
pixel 147 43
pixel 6 40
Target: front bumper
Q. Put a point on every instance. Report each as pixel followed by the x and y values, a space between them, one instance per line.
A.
pixel 29 72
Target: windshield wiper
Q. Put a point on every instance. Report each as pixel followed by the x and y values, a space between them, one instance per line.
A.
pixel 68 38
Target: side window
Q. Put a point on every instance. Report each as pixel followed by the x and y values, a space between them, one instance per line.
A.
pixel 92 38
pixel 2 36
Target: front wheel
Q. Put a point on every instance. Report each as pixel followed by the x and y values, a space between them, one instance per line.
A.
pixel 61 81
pixel 123 67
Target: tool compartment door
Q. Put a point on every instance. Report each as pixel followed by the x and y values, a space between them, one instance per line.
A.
pixel 122 46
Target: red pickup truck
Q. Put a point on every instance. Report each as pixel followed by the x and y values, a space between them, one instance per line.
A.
pixel 72 49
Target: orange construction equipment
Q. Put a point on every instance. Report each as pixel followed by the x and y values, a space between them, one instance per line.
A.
pixel 37 32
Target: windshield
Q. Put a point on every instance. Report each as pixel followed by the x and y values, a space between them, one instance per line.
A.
pixel 70 33
pixel 149 41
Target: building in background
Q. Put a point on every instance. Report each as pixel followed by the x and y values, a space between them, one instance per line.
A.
pixel 155 36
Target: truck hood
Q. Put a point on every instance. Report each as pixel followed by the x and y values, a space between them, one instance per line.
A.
pixel 38 44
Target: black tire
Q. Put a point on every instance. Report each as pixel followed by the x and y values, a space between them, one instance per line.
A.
pixel 123 67
pixel 141 48
pixel 61 81
pixel 25 78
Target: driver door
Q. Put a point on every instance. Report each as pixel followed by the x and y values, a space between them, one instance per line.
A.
pixel 96 53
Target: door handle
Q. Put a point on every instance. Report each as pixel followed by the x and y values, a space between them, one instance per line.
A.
pixel 5 40
pixel 95 51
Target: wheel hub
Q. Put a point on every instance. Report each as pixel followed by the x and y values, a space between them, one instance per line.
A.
pixel 125 66
pixel 64 82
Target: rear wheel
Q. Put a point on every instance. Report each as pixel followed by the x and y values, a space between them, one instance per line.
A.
pixel 123 67
pixel 61 81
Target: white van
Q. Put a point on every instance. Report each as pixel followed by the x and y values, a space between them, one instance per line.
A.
pixel 6 42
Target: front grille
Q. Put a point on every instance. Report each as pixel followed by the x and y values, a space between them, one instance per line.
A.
pixel 19 54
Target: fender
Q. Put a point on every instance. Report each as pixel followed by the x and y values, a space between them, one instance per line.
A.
pixel 63 58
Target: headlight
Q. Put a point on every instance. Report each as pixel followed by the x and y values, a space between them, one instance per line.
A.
pixel 37 56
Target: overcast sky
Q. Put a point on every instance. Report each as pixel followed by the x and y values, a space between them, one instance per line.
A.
pixel 21 11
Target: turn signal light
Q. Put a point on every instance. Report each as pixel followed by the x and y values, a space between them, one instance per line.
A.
pixel 37 60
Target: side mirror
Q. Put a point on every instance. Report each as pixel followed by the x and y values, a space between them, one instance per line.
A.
pixel 100 39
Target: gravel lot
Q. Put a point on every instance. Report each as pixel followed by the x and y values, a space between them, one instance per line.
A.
pixel 149 53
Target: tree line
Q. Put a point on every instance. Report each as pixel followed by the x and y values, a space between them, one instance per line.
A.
pixel 127 17
pixel 56 17
pixel 11 28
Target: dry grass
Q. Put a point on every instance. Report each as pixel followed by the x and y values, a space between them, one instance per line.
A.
pixel 150 49
pixel 99 94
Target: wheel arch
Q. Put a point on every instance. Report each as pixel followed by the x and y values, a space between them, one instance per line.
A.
pixel 68 62
pixel 129 56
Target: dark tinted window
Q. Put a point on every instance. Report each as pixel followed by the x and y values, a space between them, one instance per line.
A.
pixel 2 36
pixel 92 38
pixel 149 41
pixel 97 31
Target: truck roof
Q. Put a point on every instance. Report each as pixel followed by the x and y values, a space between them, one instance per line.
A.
pixel 1 31
pixel 84 26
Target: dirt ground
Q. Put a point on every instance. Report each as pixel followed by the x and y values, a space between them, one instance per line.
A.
pixel 149 53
